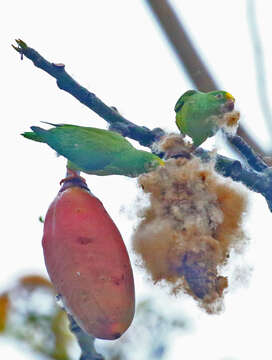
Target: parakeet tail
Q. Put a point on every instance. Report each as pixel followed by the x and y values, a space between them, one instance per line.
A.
pixel 41 133
pixel 33 136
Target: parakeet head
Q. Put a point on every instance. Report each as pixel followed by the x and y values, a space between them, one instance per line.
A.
pixel 154 163
pixel 225 99
pixel 147 161
pixel 199 114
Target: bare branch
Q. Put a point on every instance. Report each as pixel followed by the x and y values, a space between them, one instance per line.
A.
pixel 259 182
pixel 253 160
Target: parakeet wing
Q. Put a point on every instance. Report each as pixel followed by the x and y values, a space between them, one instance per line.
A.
pixel 183 98
pixel 89 148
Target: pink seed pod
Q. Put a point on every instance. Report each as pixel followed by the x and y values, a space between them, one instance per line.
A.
pixel 88 263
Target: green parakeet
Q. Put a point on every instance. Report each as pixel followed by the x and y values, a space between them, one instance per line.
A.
pixel 198 114
pixel 95 151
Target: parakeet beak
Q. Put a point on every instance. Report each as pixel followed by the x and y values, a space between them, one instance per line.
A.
pixel 229 104
pixel 230 97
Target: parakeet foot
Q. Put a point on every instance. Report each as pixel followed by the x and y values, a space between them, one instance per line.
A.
pixel 71 175
pixel 73 179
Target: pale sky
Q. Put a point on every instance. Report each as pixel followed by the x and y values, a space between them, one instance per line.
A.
pixel 116 50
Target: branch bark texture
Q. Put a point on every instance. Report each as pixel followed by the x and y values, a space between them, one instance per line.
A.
pixel 65 82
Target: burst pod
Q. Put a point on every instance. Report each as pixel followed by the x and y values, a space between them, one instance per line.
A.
pixel 88 263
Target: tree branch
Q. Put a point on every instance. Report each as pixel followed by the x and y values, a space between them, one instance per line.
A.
pixel 259 182
pixel 253 160
pixel 65 82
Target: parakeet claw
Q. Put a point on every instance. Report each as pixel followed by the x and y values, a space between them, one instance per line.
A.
pixel 72 174
pixel 73 179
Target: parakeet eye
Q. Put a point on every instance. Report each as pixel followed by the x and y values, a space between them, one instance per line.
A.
pixel 219 96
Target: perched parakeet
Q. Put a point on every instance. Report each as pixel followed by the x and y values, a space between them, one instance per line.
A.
pixel 198 114
pixel 95 151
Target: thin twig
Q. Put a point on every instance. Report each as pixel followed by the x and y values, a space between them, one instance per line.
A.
pixel 65 82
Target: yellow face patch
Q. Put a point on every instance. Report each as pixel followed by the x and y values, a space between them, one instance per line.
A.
pixel 161 162
pixel 229 96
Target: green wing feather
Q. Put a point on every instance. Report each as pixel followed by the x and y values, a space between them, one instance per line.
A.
pixel 80 144
pixel 95 151
pixel 183 98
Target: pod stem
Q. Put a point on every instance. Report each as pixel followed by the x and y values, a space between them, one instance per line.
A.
pixel 85 341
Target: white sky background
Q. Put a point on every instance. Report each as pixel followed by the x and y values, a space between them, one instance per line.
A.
pixel 116 50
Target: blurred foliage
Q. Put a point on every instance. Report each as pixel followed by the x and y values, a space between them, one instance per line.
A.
pixel 4 309
pixel 30 314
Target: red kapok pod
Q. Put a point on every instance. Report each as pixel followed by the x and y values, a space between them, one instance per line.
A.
pixel 87 262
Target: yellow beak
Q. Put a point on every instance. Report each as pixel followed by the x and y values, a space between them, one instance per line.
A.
pixel 230 97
